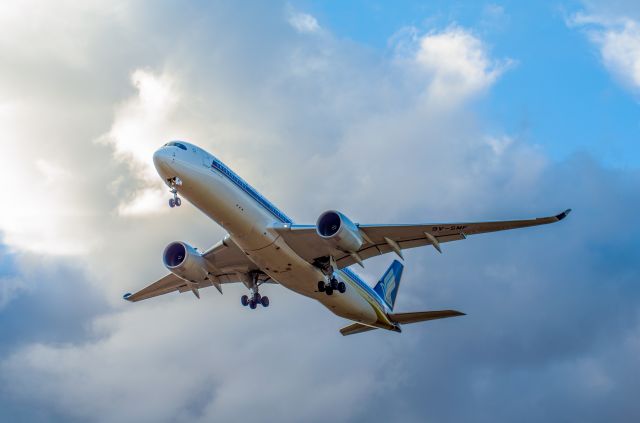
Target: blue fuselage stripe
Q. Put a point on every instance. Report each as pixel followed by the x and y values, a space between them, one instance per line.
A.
pixel 248 189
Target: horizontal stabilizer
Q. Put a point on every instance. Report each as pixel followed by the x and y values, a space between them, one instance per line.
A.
pixel 403 319
pixel 421 316
pixel 355 328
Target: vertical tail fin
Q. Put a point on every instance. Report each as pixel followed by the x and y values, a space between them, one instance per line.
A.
pixel 387 287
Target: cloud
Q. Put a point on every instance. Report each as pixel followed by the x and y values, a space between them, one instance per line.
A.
pixel 620 48
pixel 314 123
pixel 138 123
pixel 618 40
pixel 303 22
pixel 457 65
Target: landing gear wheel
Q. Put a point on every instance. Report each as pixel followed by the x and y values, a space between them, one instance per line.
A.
pixel 244 300
pixel 172 202
pixel 334 283
pixel 321 286
pixel 257 298
pixel 178 201
pixel 329 290
pixel 252 305
pixel 342 288
pixel 264 301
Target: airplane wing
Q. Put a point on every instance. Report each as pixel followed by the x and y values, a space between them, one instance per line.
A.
pixel 226 257
pixel 382 239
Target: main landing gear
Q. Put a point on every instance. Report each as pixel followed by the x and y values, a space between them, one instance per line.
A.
pixel 328 265
pixel 175 183
pixel 255 299
pixel 333 285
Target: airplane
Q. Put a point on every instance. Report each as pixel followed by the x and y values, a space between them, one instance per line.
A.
pixel 263 245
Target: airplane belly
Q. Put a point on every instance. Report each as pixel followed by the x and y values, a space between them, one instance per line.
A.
pixel 248 225
pixel 282 264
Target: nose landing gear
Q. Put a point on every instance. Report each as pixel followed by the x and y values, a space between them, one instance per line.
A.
pixel 174 183
pixel 175 201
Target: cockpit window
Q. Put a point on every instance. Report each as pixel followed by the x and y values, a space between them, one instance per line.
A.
pixel 176 144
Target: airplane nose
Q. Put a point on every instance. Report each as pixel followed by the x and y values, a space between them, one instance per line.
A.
pixel 161 160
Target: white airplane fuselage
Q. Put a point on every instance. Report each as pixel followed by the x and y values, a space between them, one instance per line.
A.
pixel 250 220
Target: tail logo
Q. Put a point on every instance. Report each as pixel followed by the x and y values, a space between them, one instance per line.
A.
pixel 389 284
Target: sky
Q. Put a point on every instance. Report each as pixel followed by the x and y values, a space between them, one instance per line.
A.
pixel 391 112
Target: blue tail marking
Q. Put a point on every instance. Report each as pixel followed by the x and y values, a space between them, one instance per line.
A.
pixel 388 286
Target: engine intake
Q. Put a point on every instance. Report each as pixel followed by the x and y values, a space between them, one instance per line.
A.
pixel 175 254
pixel 339 231
pixel 185 262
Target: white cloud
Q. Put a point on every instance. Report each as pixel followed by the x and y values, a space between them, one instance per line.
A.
pixel 620 49
pixel 458 64
pixel 618 40
pixel 144 202
pixel 303 22
pixel 141 123
pixel 70 30
pixel 41 205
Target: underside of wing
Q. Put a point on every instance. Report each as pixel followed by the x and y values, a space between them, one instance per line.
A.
pixel 382 239
pixel 165 285
pixel 227 257
pixel 223 263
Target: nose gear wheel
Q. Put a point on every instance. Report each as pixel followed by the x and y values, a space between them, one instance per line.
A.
pixel 175 201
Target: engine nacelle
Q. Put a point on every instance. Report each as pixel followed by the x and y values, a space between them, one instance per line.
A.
pixel 339 231
pixel 185 262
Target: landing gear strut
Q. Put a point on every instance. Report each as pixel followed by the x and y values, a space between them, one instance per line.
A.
pixel 328 265
pixel 174 183
pixel 254 298
pixel 333 285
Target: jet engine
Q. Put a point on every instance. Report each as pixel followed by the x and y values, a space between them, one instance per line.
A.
pixel 339 231
pixel 185 262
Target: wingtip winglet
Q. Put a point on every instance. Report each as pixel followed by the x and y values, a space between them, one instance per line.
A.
pixel 126 296
pixel 563 214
